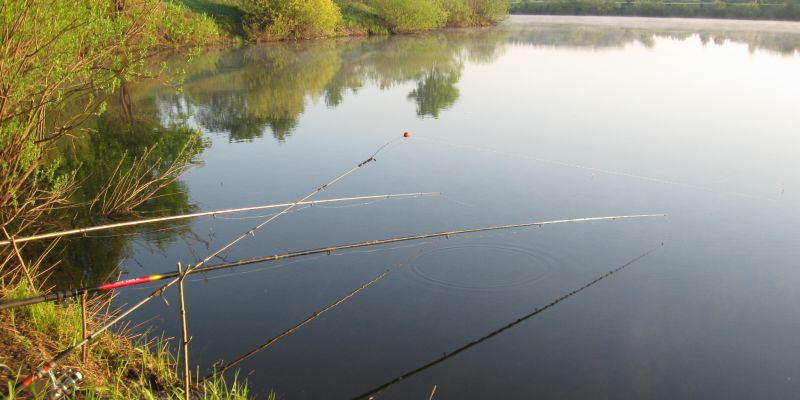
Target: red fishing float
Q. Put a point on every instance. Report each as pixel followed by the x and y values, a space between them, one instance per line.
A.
pixel 406 134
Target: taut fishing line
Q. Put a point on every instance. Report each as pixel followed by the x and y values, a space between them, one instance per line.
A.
pixel 599 170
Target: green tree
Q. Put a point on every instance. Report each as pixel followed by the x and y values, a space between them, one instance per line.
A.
pixel 61 52
pixel 458 12
pixel 488 11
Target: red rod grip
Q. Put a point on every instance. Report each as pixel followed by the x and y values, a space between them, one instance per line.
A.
pixel 129 282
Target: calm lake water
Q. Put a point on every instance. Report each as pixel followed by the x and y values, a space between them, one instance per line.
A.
pixel 541 118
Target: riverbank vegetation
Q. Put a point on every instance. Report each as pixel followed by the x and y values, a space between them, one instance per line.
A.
pixel 62 63
pixel 773 10
pixel 302 19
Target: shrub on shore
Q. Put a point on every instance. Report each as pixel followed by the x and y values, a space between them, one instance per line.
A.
pixel 488 11
pixel 416 15
pixel 292 19
pixel 410 15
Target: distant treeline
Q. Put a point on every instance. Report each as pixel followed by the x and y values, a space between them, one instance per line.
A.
pixel 785 10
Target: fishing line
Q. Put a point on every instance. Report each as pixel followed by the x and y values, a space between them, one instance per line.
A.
pixel 350 205
pixel 49 365
pixel 456 201
pixel 140 233
pixel 601 170
pixel 492 334
pixel 260 216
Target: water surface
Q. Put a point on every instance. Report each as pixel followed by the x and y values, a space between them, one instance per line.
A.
pixel 542 118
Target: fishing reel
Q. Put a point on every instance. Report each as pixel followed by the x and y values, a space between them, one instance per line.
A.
pixel 66 384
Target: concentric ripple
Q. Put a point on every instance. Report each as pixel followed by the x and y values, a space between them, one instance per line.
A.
pixel 483 267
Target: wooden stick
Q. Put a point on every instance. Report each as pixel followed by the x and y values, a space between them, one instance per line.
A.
pixel 85 349
pixel 204 213
pixel 19 257
pixel 187 377
pixel 433 392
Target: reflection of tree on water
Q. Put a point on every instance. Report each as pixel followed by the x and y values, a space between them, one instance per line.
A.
pixel 250 90
pixel 606 35
pixel 246 92
pixel 123 133
pixel 436 91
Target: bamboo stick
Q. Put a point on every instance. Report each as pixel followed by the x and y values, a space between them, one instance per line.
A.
pixel 85 349
pixel 187 376
pixel 19 257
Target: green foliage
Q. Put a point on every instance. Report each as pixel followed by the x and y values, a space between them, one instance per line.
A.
pixel 360 18
pixel 281 19
pixel 488 11
pixel 410 15
pixel 63 323
pixel 61 52
pixel 458 12
pixel 185 27
pixel 227 14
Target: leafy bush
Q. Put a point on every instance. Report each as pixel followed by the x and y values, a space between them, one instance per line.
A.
pixel 359 18
pixel 410 15
pixel 61 52
pixel 184 27
pixel 458 13
pixel 488 11
pixel 281 19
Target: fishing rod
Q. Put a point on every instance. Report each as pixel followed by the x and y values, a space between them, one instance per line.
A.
pixel 294 328
pixel 62 295
pixel 316 314
pixel 49 365
pixel 369 394
pixel 86 230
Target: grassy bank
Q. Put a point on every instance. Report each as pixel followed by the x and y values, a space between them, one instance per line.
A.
pixel 256 20
pixel 63 61
pixel 768 10
pixel 119 365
